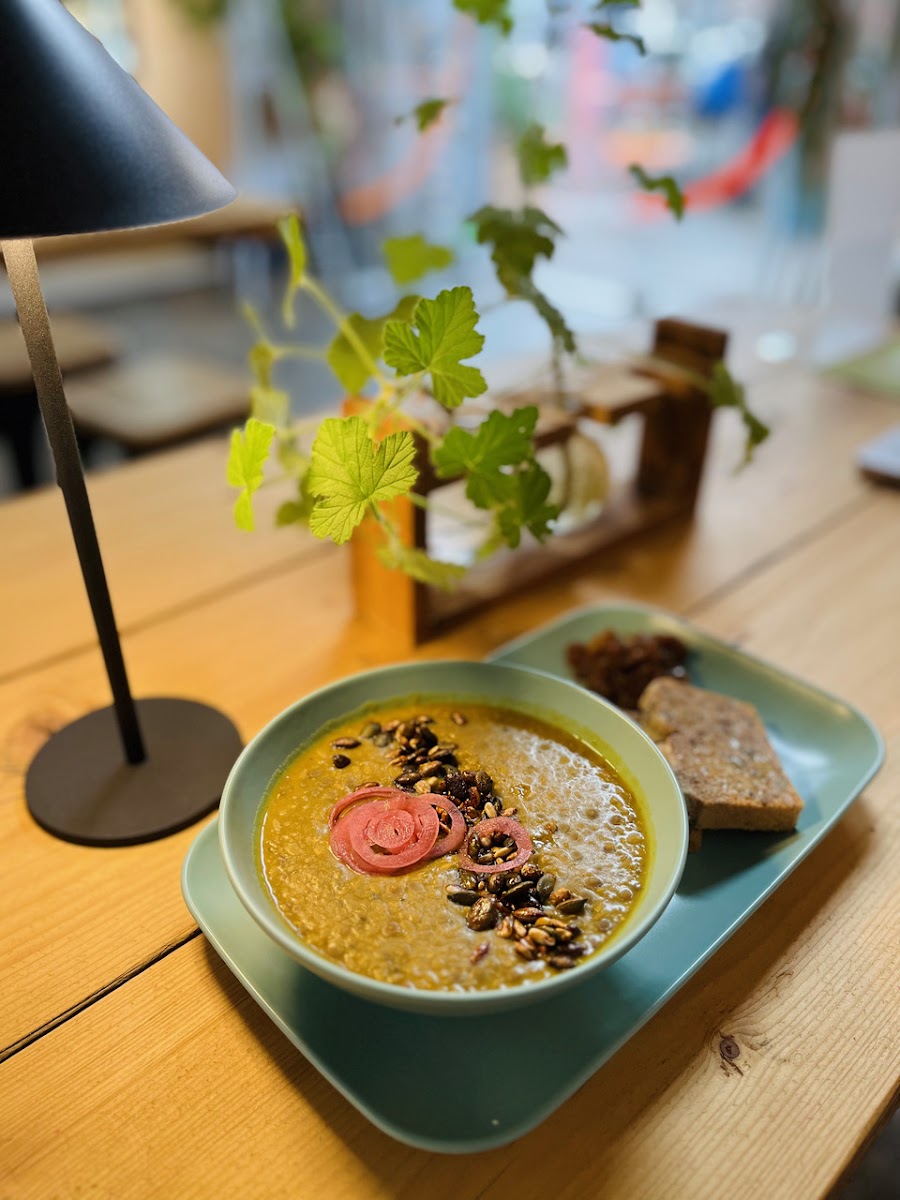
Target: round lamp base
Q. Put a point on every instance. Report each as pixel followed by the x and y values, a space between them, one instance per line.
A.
pixel 80 787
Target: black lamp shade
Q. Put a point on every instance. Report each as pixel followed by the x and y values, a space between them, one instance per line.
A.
pixel 82 147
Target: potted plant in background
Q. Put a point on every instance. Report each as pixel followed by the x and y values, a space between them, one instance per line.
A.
pixel 412 372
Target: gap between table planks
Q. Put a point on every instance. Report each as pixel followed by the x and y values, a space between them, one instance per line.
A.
pixel 807 989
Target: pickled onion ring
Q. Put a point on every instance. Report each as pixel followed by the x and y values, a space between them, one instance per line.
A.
pixel 453 839
pixel 366 793
pixel 371 832
pixel 387 835
pixel 388 831
pixel 509 827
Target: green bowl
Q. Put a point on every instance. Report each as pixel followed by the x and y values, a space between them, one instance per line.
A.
pixel 556 701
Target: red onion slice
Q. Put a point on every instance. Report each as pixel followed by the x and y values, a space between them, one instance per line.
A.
pixel 386 836
pixel 454 838
pixel 509 827
pixel 366 793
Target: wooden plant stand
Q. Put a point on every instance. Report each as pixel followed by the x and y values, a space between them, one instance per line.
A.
pixel 675 415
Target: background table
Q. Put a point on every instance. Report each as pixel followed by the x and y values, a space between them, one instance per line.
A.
pixel 133 1063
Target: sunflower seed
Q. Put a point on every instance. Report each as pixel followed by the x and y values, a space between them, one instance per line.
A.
pixel 540 937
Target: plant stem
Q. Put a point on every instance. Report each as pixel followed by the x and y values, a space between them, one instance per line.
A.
pixel 315 352
pixel 327 305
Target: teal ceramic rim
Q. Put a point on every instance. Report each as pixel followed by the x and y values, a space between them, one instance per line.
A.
pixel 259 905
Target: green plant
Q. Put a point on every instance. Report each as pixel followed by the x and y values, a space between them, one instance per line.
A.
pixel 416 357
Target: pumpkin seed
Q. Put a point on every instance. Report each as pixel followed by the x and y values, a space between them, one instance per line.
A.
pixel 527 916
pixel 545 886
pixel 483 914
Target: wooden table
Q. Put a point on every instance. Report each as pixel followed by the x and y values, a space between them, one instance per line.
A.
pixel 136 1066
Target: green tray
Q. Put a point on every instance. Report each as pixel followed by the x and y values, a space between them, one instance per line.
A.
pixel 829 749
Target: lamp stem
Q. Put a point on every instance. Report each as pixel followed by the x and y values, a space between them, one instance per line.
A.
pixel 21 268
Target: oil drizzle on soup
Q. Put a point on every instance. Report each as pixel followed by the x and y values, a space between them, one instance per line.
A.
pixel 584 822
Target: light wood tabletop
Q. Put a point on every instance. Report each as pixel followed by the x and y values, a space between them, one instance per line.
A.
pixel 133 1064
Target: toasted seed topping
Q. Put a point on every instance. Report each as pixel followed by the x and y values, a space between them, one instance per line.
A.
pixel 483 914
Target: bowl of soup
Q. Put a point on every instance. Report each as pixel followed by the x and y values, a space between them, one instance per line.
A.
pixel 453 837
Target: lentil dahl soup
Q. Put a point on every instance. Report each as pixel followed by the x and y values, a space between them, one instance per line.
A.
pixel 546 867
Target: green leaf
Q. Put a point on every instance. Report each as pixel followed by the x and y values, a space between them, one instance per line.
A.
pixel 603 29
pixel 429 111
pixel 270 405
pixel 262 359
pixel 291 235
pixel 343 357
pixel 291 457
pixel 526 506
pixel 441 335
pixel 297 512
pixel 538 158
pixel 350 472
pixel 603 5
pixel 519 502
pixel 502 475
pixel 410 258
pixel 488 12
pixel 675 200
pixel 726 392
pixel 417 564
pixel 501 440
pixel 517 237
pixel 247 455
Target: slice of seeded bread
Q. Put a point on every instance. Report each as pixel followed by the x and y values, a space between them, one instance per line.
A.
pixel 730 775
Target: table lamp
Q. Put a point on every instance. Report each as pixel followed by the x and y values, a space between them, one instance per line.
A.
pixel 84 149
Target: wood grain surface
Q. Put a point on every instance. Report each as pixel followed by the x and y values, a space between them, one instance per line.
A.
pixel 135 1065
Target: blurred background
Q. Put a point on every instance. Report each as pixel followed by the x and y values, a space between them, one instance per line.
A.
pixel 779 117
